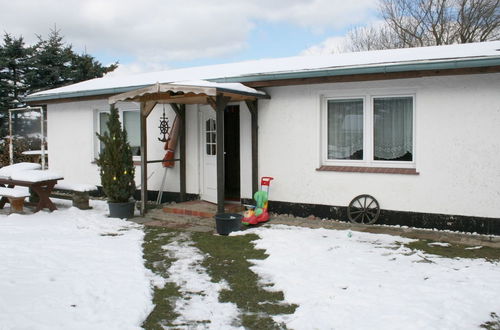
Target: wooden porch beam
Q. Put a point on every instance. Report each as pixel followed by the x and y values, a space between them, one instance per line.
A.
pixel 180 110
pixel 148 107
pixel 212 102
pixel 253 108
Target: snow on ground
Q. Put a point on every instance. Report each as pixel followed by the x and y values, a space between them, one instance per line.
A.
pixel 369 281
pixel 72 269
pixel 200 296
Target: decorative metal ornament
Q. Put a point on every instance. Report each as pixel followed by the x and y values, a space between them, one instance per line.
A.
pixel 164 127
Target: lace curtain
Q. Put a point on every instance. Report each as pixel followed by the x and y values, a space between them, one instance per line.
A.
pixel 393 128
pixel 345 129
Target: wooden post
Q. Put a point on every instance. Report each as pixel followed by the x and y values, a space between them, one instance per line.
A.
pixel 146 108
pixel 253 108
pixel 144 159
pixel 182 152
pixel 220 104
pixel 180 110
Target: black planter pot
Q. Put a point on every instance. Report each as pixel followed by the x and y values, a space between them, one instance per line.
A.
pixel 121 210
pixel 227 222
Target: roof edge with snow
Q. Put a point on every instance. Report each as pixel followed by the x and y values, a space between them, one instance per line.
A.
pixel 406 60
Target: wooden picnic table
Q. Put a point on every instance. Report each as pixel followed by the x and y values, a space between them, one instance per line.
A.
pixel 42 188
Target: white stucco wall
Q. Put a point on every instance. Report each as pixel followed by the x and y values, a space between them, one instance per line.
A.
pixel 457 141
pixel 71 136
pixel 457 147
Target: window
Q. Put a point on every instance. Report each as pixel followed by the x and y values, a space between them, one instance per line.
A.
pixel 132 123
pixel 345 129
pixel 393 128
pixel 103 128
pixel 210 137
pixel 130 120
pixel 369 131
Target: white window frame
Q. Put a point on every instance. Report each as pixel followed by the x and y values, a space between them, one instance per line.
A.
pixel 97 128
pixel 368 129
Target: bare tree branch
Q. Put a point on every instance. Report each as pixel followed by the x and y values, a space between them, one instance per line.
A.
pixel 413 23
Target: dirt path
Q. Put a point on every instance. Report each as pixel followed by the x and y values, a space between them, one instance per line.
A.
pixel 158 218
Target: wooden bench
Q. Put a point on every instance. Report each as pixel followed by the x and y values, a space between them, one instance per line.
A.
pixel 16 198
pixel 78 193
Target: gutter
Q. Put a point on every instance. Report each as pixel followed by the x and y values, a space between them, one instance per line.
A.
pixel 447 65
pixel 405 67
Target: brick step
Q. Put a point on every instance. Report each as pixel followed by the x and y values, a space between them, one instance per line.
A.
pixel 200 209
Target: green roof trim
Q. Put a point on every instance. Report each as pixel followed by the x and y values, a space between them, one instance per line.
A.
pixel 389 68
pixel 406 67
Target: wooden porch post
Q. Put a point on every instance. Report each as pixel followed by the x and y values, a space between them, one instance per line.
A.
pixel 219 105
pixel 180 110
pixel 144 157
pixel 146 108
pixel 253 107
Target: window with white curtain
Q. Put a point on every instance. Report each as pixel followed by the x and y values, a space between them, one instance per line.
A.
pixel 132 124
pixel 103 127
pixel 345 129
pixel 130 120
pixel 370 130
pixel 393 128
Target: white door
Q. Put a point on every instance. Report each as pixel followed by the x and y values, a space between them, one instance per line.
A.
pixel 209 154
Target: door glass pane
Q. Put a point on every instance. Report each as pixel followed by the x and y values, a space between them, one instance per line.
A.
pixel 345 129
pixel 393 128
pixel 210 137
pixel 132 124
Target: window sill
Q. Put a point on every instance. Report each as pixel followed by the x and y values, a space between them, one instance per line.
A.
pixel 361 169
pixel 136 162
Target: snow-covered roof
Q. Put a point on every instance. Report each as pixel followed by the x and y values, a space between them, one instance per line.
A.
pixel 395 60
pixel 189 88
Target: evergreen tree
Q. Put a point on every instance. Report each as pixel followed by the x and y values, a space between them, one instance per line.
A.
pixel 84 67
pixel 115 162
pixel 14 63
pixel 51 63
pixel 55 64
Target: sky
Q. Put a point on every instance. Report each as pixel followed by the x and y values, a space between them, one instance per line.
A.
pixel 152 35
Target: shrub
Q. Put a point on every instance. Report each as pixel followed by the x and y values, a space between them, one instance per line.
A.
pixel 115 162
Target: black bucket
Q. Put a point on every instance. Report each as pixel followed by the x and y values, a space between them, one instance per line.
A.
pixel 227 222
pixel 121 210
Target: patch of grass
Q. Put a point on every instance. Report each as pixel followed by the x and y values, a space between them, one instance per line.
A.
pixel 227 259
pixel 456 250
pixel 494 324
pixel 156 260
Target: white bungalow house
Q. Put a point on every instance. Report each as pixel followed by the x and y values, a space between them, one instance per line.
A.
pixel 418 129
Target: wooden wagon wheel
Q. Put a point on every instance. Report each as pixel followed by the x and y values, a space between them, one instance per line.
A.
pixel 363 209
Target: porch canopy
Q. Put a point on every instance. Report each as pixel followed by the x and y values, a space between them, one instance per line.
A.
pixel 178 94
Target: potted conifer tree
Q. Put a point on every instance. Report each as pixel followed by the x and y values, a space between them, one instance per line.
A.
pixel 117 168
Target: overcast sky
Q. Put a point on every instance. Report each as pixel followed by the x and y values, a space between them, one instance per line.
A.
pixel 151 35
